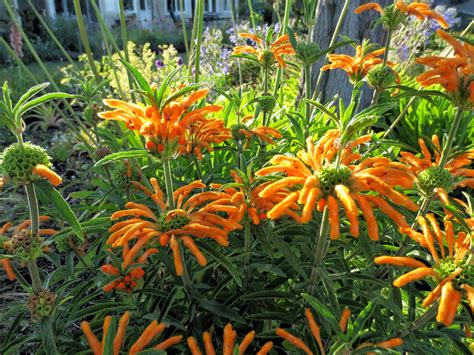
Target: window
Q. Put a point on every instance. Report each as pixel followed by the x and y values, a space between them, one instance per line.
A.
pixel 209 5
pixel 174 7
pixel 226 5
pixel 59 6
pixel 128 5
pixel 142 5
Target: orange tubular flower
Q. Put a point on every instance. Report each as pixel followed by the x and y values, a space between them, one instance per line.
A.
pixel 449 268
pixel 127 281
pixel 454 74
pixel 199 216
pixel 420 10
pixel 311 180
pixel 228 344
pixel 140 344
pixel 7 242
pixel 202 133
pixel 165 131
pixel 430 177
pixel 358 66
pixel 315 332
pixel 265 52
pixel 48 174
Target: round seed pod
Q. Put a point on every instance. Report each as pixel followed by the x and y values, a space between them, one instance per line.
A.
pixel 26 246
pixel 17 162
pixel 41 304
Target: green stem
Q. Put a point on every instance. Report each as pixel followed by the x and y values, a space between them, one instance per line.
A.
pixel 85 40
pixel 33 205
pixel 169 193
pixel 197 164
pixel 283 30
pixel 183 26
pixel 387 46
pixel 123 31
pixel 451 135
pixel 307 81
pixel 168 183
pixel 199 28
pixel 247 241
pixel 252 14
pixel 47 333
pixel 320 249
pixel 400 116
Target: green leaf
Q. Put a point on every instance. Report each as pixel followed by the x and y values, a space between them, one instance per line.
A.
pixel 61 205
pixel 158 94
pixel 141 81
pixel 325 110
pixel 182 92
pixel 41 100
pixel 223 260
pixel 128 154
pixel 109 338
pixel 221 310
pixel 30 93
pixel 324 313
pixel 97 308
pixel 270 294
pixel 47 336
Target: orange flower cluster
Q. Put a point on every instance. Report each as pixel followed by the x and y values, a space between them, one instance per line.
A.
pixel 252 204
pixel 454 74
pixel 140 344
pixel 449 269
pixel 265 134
pixel 311 180
pixel 165 131
pixel 230 336
pixel 5 262
pixel 199 216
pixel 202 133
pixel 316 333
pixel 267 53
pixel 358 66
pixel 457 167
pixel 420 10
pixel 127 279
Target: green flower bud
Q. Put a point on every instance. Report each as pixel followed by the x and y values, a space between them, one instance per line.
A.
pixel 236 131
pixel 17 162
pixel 266 103
pixel 432 178
pixel 381 76
pixel 123 177
pixel 175 222
pixel 308 53
pixel 331 176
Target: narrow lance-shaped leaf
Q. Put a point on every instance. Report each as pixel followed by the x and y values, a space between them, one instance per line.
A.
pixel 61 205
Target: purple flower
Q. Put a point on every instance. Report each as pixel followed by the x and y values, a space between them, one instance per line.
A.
pixel 159 64
pixel 180 61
